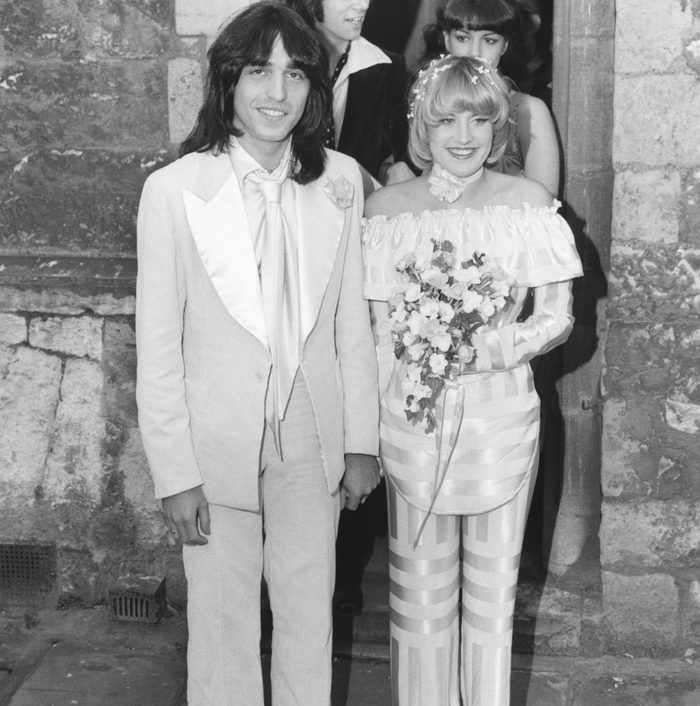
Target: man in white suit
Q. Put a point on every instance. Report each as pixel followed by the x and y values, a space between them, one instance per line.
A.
pixel 257 385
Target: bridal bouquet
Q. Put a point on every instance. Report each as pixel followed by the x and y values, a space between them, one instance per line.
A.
pixel 435 310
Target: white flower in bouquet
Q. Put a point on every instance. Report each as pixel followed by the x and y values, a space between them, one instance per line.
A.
pixel 436 309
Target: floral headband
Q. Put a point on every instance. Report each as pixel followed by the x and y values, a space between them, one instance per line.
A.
pixel 427 75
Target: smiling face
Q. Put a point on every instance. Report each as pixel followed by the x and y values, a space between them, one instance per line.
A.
pixel 268 102
pixel 342 21
pixel 461 142
pixel 482 43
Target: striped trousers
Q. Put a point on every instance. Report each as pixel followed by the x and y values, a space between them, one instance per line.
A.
pixel 452 602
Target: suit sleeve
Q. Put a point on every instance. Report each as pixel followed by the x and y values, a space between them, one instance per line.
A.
pixel 549 326
pixel 355 345
pixel 160 384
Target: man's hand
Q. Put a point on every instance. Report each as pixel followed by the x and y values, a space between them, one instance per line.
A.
pixel 360 479
pixel 186 513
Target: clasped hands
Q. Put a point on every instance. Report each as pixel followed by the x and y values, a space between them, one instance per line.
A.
pixel 360 479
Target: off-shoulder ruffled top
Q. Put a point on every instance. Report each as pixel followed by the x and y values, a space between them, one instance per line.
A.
pixel 533 245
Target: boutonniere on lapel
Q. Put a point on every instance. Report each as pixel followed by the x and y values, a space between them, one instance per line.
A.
pixel 340 191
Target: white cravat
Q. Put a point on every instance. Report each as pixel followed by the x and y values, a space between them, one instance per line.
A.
pixel 279 279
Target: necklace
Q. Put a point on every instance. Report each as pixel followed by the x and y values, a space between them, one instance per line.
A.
pixel 445 186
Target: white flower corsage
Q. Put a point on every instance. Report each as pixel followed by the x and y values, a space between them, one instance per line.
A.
pixel 340 191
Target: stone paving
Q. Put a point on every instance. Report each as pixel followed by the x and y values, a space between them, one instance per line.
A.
pixel 79 657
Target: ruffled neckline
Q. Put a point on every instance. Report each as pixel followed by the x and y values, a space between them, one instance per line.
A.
pixel 525 209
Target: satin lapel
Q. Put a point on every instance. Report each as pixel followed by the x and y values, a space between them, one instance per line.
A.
pixel 220 230
pixel 321 224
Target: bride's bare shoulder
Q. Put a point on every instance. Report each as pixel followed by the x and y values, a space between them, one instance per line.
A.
pixel 407 196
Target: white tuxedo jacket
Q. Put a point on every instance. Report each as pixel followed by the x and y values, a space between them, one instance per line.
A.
pixel 203 356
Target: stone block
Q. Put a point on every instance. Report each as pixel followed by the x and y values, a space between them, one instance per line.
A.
pixel 590 18
pixel 588 211
pixel 683 416
pixel 29 393
pixel 119 367
pixel 76 335
pixel 688 344
pixel 88 204
pixel 590 92
pixel 642 612
pixel 184 96
pixel 581 432
pixel 139 494
pixel 645 206
pixel 669 132
pixel 74 472
pixel 41 29
pixel 671 475
pixel 686 382
pixel 690 615
pixel 582 359
pixel 548 622
pixel 119 105
pixel 645 44
pixel 639 357
pixel 114 675
pixel 193 17
pixel 691 53
pixel 65 301
pixel 689 215
pixel 13 329
pixel 124 31
pixel 656 284
pixel 620 686
pixel 88 30
pixel 133 465
pixel 628 468
pixel 651 533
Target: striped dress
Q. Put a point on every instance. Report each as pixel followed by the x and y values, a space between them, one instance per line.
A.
pixel 468 549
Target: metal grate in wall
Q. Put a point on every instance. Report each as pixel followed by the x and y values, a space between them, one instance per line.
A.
pixel 138 599
pixel 27 572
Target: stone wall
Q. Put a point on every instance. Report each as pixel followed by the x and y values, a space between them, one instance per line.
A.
pixel 650 532
pixel 95 95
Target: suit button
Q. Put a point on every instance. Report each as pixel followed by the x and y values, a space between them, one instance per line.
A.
pixel 258 377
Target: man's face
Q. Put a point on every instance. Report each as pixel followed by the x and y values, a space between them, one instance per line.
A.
pixel 342 19
pixel 268 102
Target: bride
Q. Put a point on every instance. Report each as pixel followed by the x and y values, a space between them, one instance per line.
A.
pixel 449 260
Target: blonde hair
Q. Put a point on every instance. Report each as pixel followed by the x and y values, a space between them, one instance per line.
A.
pixel 451 85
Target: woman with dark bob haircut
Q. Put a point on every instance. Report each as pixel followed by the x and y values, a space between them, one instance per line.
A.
pixel 498 31
pixel 214 125
pixel 450 260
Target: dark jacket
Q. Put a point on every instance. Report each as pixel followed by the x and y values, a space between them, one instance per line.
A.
pixel 375 123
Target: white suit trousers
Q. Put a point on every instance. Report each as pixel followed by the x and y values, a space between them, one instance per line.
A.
pixel 298 522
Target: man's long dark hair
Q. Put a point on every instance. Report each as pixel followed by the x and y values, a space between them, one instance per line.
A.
pixel 248 40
